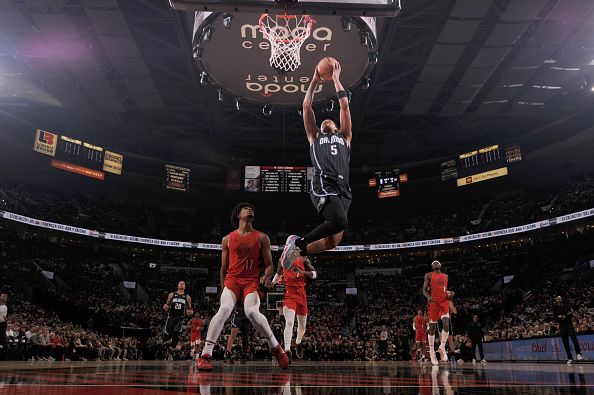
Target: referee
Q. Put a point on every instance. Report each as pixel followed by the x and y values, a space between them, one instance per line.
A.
pixel 564 316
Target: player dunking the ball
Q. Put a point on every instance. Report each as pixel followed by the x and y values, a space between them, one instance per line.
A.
pixel 330 152
pixel 437 283
pixel 245 254
pixel 295 301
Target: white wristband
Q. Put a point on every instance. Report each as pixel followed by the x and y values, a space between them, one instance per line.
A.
pixel 314 274
pixel 275 279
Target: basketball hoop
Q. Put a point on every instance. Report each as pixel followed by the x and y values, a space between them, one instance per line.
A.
pixel 286 34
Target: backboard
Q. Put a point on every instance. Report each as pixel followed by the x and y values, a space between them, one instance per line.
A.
pixel 319 7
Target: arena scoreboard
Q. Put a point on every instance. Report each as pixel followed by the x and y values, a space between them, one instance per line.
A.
pixel 481 165
pixel 177 178
pixel 77 156
pixel 277 178
pixel 388 182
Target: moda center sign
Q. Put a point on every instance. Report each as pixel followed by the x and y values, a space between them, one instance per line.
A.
pixel 236 58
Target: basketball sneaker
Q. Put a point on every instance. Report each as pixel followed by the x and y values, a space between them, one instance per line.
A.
pixel 280 356
pixel 443 354
pixel 228 359
pixel 204 363
pixel 289 355
pixel 579 357
pixel 434 360
pixel 299 351
pixel 290 252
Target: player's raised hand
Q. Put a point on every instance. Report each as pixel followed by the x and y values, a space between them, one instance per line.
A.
pixel 336 71
pixel 316 76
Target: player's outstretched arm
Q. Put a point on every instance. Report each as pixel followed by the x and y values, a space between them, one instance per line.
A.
pixel 309 118
pixel 279 272
pixel 346 126
pixel 309 269
pixel 267 259
pixel 168 303
pixel 426 286
pixel 224 260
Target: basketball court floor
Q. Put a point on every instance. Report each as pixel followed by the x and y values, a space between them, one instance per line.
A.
pixel 159 377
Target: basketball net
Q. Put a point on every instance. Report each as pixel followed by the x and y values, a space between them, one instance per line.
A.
pixel 286 34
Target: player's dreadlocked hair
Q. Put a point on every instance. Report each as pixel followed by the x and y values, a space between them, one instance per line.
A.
pixel 237 209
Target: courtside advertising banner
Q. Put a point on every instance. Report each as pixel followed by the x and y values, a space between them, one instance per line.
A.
pixel 543 349
pixel 347 248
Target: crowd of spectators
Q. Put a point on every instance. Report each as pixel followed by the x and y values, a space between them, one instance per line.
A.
pixel 67 298
pixel 208 224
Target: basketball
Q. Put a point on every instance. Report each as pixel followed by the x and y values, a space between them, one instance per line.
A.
pixel 325 68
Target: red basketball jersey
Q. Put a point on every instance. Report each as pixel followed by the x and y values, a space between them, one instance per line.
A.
pixel 420 324
pixel 196 325
pixel 439 285
pixel 245 255
pixel 294 279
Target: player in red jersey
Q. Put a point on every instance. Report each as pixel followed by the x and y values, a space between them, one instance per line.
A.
pixel 196 325
pixel 436 282
pixel 420 327
pixel 295 301
pixel 245 253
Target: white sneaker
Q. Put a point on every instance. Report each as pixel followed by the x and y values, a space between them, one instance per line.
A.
pixel 473 361
pixel 579 357
pixel 434 360
pixel 443 354
pixel 570 361
pixel 460 361
pixel 483 361
pixel 290 252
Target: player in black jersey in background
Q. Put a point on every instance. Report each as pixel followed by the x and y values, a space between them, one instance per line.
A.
pixel 330 152
pixel 177 306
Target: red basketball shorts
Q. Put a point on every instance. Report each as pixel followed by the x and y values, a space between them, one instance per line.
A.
pixel 296 301
pixel 438 309
pixel 242 287
pixel 194 337
pixel 421 336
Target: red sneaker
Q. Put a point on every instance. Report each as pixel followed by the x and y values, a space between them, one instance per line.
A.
pixel 280 356
pixel 204 363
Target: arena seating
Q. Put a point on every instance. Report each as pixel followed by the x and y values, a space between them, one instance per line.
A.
pixel 82 310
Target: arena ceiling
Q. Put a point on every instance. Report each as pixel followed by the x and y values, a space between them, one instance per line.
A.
pixel 452 75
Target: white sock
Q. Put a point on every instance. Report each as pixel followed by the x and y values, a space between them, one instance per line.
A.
pixel 289 323
pixel 251 306
pixel 208 346
pixel 218 321
pixel 431 344
pixel 444 338
pixel 301 323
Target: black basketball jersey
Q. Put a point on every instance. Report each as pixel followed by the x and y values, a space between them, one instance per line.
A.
pixel 330 157
pixel 178 305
